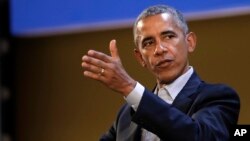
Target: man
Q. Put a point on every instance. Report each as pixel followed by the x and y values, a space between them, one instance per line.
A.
pixel 181 107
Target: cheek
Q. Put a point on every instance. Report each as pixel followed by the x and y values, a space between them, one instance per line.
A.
pixel 148 59
pixel 181 55
pixel 179 46
pixel 180 49
pixel 145 56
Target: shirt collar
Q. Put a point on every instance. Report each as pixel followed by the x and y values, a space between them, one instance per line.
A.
pixel 177 85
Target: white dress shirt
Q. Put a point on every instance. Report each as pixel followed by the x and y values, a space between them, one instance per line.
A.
pixel 168 93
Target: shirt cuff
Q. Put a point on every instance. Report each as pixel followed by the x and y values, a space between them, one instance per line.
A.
pixel 134 97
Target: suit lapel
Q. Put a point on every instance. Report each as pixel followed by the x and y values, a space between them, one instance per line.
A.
pixel 187 94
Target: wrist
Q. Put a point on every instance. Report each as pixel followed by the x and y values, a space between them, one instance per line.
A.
pixel 129 88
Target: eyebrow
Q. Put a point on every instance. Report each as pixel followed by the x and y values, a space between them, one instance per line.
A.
pixel 168 32
pixel 146 39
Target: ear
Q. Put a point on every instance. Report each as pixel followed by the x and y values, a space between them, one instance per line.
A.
pixel 191 41
pixel 139 58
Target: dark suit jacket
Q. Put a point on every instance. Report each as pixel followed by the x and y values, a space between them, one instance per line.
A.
pixel 200 112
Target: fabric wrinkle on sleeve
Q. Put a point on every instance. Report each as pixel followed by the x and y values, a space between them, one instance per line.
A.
pixel 134 97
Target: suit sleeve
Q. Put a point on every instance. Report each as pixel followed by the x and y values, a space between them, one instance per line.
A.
pixel 110 135
pixel 214 111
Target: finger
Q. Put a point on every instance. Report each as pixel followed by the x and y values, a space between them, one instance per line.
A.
pixel 113 49
pixel 94 61
pixel 91 68
pixel 99 55
pixel 93 76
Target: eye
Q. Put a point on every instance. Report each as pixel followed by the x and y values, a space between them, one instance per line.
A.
pixel 168 36
pixel 147 43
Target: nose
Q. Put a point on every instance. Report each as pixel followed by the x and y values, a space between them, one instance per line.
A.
pixel 160 49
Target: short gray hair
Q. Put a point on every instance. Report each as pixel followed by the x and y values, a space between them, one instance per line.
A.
pixel 159 9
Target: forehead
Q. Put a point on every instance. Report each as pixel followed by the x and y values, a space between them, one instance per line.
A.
pixel 155 19
pixel 155 25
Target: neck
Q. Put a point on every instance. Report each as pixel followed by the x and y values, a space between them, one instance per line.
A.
pixel 162 83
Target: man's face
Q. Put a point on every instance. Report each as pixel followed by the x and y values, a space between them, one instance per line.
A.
pixel 163 47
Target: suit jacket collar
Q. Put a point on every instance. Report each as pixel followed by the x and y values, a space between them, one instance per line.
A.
pixel 190 88
pixel 187 94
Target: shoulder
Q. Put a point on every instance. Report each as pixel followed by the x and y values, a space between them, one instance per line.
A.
pixel 218 91
pixel 218 88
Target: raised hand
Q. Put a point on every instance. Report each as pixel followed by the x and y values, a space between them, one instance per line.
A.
pixel 108 69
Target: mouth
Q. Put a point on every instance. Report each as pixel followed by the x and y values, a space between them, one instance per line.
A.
pixel 163 63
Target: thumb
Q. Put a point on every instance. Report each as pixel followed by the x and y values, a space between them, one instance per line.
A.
pixel 113 49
